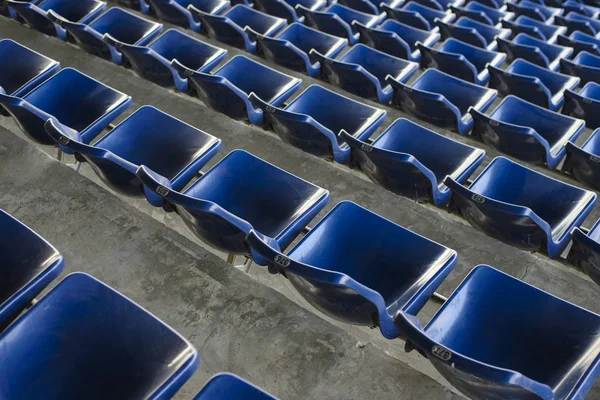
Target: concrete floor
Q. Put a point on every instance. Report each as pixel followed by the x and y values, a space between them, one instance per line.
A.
pixel 450 230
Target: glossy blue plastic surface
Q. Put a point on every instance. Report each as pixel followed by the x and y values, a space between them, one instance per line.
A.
pixel 230 387
pixel 533 83
pixel 76 100
pixel 314 119
pixel 82 11
pixel 482 13
pixel 114 26
pixel 292 46
pixel 29 264
pixel 153 62
pixel 22 69
pixel 583 162
pixel 365 6
pixel 585 65
pixel 176 11
pixel 360 268
pixel 338 20
pixel 170 147
pixel 534 50
pixel 577 22
pixel 227 89
pixel 462 60
pixel 534 28
pixel 363 71
pixel 473 32
pixel 230 27
pixel 397 39
pixel 527 132
pixel 286 8
pixel 239 194
pixel 477 340
pixel 84 340
pixel 522 207
pixel 576 6
pixel 579 44
pixel 585 252
pixel 584 105
pixel 442 99
pixel 533 10
pixel 418 15
pixel 413 161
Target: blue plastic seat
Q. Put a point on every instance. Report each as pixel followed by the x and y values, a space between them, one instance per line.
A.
pixel 116 25
pixel 583 162
pixel 286 8
pixel 527 132
pixel 579 42
pixel 170 147
pixel 29 264
pixel 176 11
pixel 533 10
pixel 366 6
pixel 153 61
pixel 473 32
pixel 442 99
pixel 533 83
pixel 482 13
pixel 314 120
pixel 85 340
pixel 577 22
pixel 239 194
pixel 522 207
pixel 360 268
pixel 230 27
pixel 497 4
pixel 418 15
pixel 292 46
pixel 81 11
pixel 396 39
pixel 414 168
pixel 76 100
pixel 584 105
pixel 585 252
pixel 580 8
pixel 338 20
pixel 585 65
pixel 132 4
pixel 534 50
pixel 22 69
pixel 534 28
pixel 363 71
pixel 441 5
pixel 227 89
pixel 462 60
pixel 228 387
pixel 478 342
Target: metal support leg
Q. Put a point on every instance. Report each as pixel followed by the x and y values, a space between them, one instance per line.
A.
pixel 231 258
pixel 246 265
pixel 438 298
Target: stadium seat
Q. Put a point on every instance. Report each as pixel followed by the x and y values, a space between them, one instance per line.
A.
pixel 229 27
pixel 314 119
pixel 584 105
pixel 362 71
pixel 585 65
pixel 462 60
pixel 85 340
pixel 473 32
pixel 442 99
pixel 153 61
pixel 286 8
pixel 170 147
pixel 29 264
pixel 414 168
pixel 360 268
pixel 396 39
pixel 577 22
pixel 241 193
pixel 292 46
pixel 579 42
pixel 231 387
pixel 115 23
pixel 526 131
pixel 418 15
pixel 35 15
pixel 585 252
pixel 522 207
pixel 478 343
pixel 176 11
pixel 534 28
pixel 533 83
pixel 583 162
pixel 576 6
pixel 76 100
pixel 534 10
pixel 22 69
pixel 482 13
pixel 227 89
pixel 534 50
